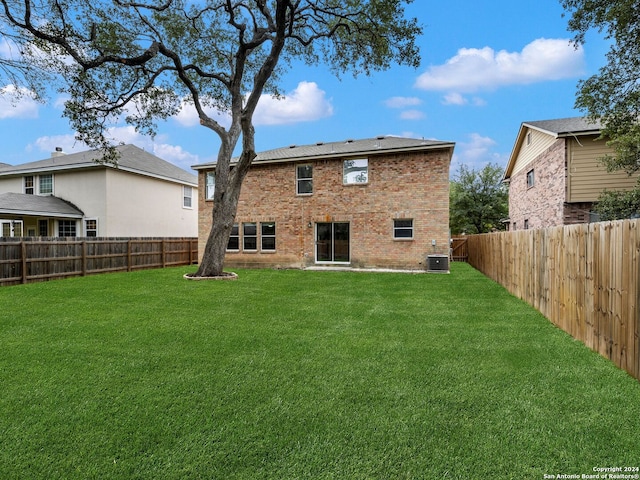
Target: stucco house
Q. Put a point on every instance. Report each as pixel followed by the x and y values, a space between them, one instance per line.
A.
pixel 555 173
pixel 76 195
pixel 379 202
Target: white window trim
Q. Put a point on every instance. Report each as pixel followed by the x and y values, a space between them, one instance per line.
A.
pixel 395 229
pixel 356 181
pixel 84 225
pixel 298 179
pixel 209 194
pixel 186 188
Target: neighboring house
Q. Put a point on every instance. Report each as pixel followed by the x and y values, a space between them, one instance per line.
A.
pixel 555 173
pixel 381 202
pixel 76 195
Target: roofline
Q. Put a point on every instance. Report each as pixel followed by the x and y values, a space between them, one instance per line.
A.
pixel 17 171
pixel 521 136
pixel 38 213
pixel 300 158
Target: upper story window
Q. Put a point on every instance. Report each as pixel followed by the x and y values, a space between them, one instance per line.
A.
pixel 210 187
pixel 530 179
pixel 304 179
pixel 29 185
pixel 44 184
pixel 355 171
pixel 187 197
pixel 528 138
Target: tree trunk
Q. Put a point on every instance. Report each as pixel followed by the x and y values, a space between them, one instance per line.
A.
pixel 223 214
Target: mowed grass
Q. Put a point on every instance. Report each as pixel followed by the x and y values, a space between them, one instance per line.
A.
pixel 292 375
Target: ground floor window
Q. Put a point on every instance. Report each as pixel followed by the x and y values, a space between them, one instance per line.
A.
pixel 403 229
pixel 268 236
pixel 249 236
pixel 43 227
pixel 67 228
pixel 234 238
pixel 11 228
pixel 91 227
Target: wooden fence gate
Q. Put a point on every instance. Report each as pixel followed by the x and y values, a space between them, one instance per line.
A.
pixel 459 249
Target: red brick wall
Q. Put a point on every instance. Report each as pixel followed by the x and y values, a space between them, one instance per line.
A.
pixel 543 204
pixel 405 186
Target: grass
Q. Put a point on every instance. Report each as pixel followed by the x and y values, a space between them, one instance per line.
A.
pixel 290 374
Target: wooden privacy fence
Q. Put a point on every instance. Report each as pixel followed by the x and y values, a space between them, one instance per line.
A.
pixel 24 260
pixel 584 278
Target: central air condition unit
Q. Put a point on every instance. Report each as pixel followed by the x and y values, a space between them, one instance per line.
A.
pixel 438 263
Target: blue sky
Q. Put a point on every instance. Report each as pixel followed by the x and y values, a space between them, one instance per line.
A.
pixel 486 67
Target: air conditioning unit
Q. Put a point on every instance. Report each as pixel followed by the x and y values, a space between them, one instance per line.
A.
pixel 438 263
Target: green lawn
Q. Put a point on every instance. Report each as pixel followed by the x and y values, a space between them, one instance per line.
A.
pixel 291 374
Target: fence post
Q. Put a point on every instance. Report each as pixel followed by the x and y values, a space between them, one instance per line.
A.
pixel 84 258
pixel 164 260
pixel 129 255
pixel 23 249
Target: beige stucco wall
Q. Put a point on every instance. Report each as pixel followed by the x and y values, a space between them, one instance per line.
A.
pixel 146 207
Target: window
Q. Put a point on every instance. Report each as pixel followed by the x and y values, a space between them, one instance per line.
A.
pixel 355 171
pixel 234 238
pixel 249 236
pixel 530 178
pixel 66 228
pixel 29 186
pixel 187 194
pixel 45 184
pixel 526 224
pixel 91 227
pixel 403 229
pixel 304 179
pixel 43 228
pixel 528 138
pixel 210 179
pixel 268 236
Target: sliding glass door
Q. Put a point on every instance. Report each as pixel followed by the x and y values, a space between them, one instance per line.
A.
pixel 332 242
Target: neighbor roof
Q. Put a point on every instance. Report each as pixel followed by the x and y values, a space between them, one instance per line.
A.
pixel 558 128
pixel 345 148
pixel 35 205
pixel 132 159
pixel 566 126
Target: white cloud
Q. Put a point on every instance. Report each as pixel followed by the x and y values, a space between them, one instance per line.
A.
pixel 476 153
pixel 454 99
pixel 402 102
pixel 304 104
pixel 49 143
pixel 17 102
pixel 475 69
pixel 412 115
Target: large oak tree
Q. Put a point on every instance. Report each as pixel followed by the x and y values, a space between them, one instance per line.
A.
pixel 145 60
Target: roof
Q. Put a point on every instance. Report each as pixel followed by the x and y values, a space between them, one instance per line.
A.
pixel 562 127
pixel 557 128
pixel 23 204
pixel 345 148
pixel 132 159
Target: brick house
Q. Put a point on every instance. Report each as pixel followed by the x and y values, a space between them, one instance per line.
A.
pixel 381 202
pixel 555 174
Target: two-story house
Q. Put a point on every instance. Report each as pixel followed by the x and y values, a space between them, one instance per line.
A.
pixel 77 195
pixel 380 202
pixel 555 173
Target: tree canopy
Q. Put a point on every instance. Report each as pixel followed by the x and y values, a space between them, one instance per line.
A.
pixel 612 96
pixel 478 200
pixel 146 60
